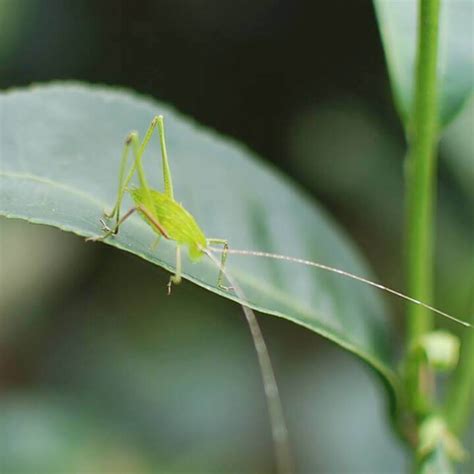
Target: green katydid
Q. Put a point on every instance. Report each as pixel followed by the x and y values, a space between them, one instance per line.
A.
pixel 171 220
pixel 166 217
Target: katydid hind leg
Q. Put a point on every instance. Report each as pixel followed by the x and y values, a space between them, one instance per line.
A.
pixel 168 182
pixel 138 150
pixel 137 167
pixel 157 122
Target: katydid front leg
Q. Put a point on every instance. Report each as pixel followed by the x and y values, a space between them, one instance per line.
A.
pixel 176 278
pixel 225 245
pixel 154 222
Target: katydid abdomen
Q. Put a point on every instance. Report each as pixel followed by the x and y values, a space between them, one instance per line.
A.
pixel 179 224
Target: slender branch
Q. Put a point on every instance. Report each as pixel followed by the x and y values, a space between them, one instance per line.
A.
pixel 421 189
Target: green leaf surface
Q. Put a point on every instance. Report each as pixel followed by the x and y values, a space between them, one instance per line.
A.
pixel 60 150
pixel 398 26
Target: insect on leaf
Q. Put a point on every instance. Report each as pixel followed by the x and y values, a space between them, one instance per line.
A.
pixel 62 170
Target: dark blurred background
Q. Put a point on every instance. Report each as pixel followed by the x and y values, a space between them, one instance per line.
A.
pixel 100 372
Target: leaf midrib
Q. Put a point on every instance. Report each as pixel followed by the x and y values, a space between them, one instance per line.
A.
pixel 50 182
pixel 253 282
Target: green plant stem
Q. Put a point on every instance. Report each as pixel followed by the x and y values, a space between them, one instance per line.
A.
pixel 421 190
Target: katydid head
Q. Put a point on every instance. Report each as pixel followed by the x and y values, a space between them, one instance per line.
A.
pixel 196 250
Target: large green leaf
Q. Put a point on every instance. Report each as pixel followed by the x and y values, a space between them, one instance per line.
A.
pixel 398 23
pixel 60 147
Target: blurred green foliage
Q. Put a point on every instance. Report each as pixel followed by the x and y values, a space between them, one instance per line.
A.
pixel 398 24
